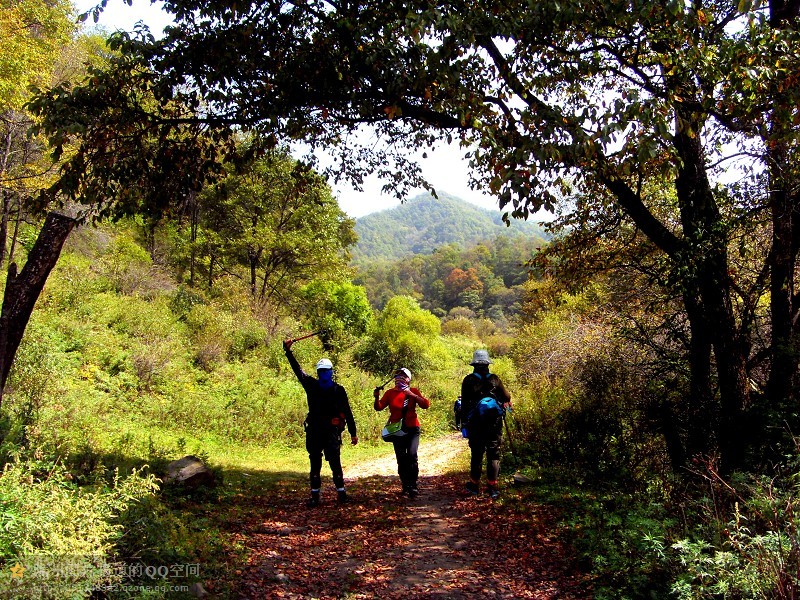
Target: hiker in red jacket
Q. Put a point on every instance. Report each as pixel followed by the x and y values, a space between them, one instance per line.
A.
pixel 402 401
pixel 328 414
pixel 484 428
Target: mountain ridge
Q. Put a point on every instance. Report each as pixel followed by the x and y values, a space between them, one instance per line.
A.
pixel 424 223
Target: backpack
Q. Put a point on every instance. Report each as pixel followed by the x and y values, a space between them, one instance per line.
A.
pixel 485 413
pixel 489 409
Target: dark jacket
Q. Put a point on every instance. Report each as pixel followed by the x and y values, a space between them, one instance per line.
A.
pixel 326 408
pixel 474 388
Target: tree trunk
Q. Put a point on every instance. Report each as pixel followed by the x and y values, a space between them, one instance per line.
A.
pixel 23 289
pixel 706 267
pixel 15 235
pixel 730 354
pixel 700 412
pixel 253 260
pixel 194 222
pixel 784 346
pixel 4 226
pixel 782 262
pixel 6 197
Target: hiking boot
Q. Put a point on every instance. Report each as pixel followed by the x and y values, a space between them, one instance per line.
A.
pixel 413 492
pixel 341 496
pixel 472 488
pixel 314 500
pixel 493 492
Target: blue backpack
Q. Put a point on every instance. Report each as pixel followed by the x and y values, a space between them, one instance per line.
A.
pixel 489 409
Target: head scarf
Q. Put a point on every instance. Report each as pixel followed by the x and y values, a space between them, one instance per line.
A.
pixel 402 379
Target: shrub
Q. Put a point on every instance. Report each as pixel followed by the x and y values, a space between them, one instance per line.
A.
pixel 587 408
pixel 182 301
pixel 459 326
pixel 754 554
pixel 62 535
pixel 126 265
pixel 339 308
pixel 403 334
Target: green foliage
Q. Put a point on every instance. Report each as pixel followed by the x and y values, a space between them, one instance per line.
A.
pixel 271 221
pixel 403 335
pixel 424 223
pixel 220 335
pixel 62 535
pixel 754 554
pixel 341 309
pixel 615 534
pixel 114 378
pixel 459 326
pixel 183 301
pixel 485 277
pixel 587 409
pixel 32 34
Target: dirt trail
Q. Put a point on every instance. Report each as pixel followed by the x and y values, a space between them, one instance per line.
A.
pixel 443 544
pixel 435 456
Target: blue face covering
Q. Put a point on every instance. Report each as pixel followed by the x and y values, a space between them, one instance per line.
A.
pixel 325 378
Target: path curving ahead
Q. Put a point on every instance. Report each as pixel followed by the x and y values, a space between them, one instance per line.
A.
pixel 443 544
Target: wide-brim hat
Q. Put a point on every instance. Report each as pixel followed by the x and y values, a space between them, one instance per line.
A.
pixel 480 357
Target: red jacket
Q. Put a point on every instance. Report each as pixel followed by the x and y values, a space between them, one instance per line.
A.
pixel 394 398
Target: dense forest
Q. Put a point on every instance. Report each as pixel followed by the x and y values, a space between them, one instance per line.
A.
pixel 159 242
pixel 424 223
pixel 475 272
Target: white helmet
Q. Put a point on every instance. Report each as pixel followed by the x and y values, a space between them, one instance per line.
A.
pixel 324 363
pixel 404 371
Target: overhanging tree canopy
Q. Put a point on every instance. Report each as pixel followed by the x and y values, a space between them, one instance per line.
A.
pixel 610 97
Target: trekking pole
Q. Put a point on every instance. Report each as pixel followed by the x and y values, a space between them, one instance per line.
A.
pixel 510 438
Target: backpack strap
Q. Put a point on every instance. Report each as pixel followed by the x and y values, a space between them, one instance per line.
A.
pixel 486 390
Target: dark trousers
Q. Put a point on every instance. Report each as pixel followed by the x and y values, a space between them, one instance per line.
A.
pixel 480 445
pixel 328 443
pixel 405 449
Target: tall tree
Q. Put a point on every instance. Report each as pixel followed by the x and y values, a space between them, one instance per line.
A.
pixel 278 220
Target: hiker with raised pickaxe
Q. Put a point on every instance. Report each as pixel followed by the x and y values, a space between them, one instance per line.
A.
pixel 328 414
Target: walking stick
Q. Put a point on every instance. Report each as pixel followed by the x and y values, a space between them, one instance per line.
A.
pixel 510 438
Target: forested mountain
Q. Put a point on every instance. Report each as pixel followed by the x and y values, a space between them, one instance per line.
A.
pixel 425 223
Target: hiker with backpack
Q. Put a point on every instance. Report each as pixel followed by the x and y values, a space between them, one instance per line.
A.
pixel 328 414
pixel 484 401
pixel 402 401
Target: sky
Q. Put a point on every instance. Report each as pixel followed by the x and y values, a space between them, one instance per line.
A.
pixel 445 168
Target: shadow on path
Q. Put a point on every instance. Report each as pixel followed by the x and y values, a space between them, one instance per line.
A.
pixel 443 544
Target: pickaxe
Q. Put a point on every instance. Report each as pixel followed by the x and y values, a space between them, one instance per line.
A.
pixel 303 337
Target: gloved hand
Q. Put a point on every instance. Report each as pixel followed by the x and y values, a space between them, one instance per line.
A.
pixel 376 393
